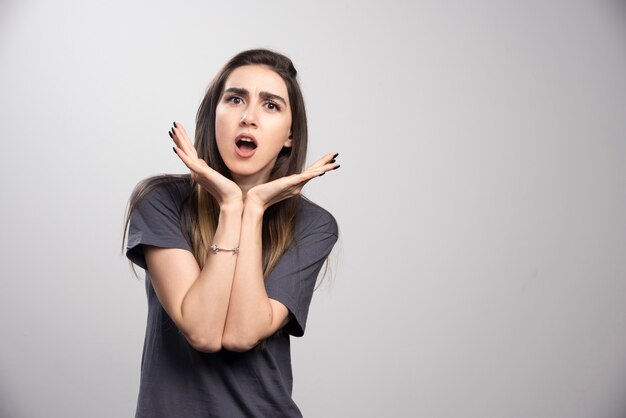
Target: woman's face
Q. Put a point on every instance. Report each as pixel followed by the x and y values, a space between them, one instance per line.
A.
pixel 252 122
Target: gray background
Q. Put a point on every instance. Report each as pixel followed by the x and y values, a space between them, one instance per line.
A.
pixel 481 199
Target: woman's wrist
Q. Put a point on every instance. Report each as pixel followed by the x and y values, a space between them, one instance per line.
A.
pixel 232 206
pixel 253 207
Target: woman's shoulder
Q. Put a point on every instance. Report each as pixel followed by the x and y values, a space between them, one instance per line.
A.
pixel 165 188
pixel 314 218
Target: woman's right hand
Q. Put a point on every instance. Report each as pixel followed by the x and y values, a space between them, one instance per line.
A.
pixel 225 191
pixel 265 195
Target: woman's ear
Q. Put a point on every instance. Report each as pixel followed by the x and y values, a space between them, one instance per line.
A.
pixel 289 140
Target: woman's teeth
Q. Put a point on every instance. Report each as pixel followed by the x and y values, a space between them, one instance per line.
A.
pixel 246 143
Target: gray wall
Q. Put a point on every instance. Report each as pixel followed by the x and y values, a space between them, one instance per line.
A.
pixel 481 199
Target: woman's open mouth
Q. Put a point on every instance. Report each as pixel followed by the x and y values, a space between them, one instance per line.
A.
pixel 245 145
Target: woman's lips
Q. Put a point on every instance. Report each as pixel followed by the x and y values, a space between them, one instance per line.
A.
pixel 245 145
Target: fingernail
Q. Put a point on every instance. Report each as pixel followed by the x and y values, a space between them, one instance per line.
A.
pixel 336 167
pixel 321 174
pixel 175 125
pixel 171 136
pixel 332 161
pixel 174 150
pixel 335 156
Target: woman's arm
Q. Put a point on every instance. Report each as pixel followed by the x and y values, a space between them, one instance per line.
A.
pixel 197 300
pixel 252 315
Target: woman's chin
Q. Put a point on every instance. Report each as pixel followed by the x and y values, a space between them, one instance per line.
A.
pixel 241 172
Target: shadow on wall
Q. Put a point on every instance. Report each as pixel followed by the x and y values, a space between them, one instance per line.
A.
pixel 620 8
pixel 7 407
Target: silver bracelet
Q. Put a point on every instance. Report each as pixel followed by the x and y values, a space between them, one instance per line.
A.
pixel 215 249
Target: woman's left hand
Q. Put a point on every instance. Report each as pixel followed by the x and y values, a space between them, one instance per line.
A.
pixel 267 194
pixel 225 191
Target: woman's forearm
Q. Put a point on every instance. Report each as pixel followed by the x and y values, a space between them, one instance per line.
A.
pixel 249 311
pixel 205 304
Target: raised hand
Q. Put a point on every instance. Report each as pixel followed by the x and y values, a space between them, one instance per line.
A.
pixel 225 191
pixel 267 194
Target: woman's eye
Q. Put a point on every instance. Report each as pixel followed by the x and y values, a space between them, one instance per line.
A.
pixel 272 106
pixel 234 99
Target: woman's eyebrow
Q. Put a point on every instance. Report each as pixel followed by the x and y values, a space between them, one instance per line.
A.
pixel 270 96
pixel 264 94
pixel 237 90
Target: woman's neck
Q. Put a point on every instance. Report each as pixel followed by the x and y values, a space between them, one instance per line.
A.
pixel 246 183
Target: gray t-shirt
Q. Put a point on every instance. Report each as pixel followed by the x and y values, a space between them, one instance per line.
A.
pixel 178 381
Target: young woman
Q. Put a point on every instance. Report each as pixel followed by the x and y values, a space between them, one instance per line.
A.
pixel 232 250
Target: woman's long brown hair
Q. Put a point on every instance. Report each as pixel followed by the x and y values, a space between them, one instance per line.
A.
pixel 201 207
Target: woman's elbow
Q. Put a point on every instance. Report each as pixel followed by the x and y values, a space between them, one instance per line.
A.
pixel 204 344
pixel 237 344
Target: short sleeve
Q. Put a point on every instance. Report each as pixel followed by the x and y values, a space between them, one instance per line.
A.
pixel 293 279
pixel 155 221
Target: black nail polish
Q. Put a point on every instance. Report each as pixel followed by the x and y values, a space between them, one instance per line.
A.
pixel 335 156
pixel 171 136
pixel 332 161
pixel 174 150
pixel 336 167
pixel 175 125
pixel 321 174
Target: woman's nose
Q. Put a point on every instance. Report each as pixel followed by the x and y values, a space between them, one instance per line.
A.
pixel 248 118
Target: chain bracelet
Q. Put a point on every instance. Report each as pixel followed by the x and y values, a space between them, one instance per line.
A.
pixel 215 249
